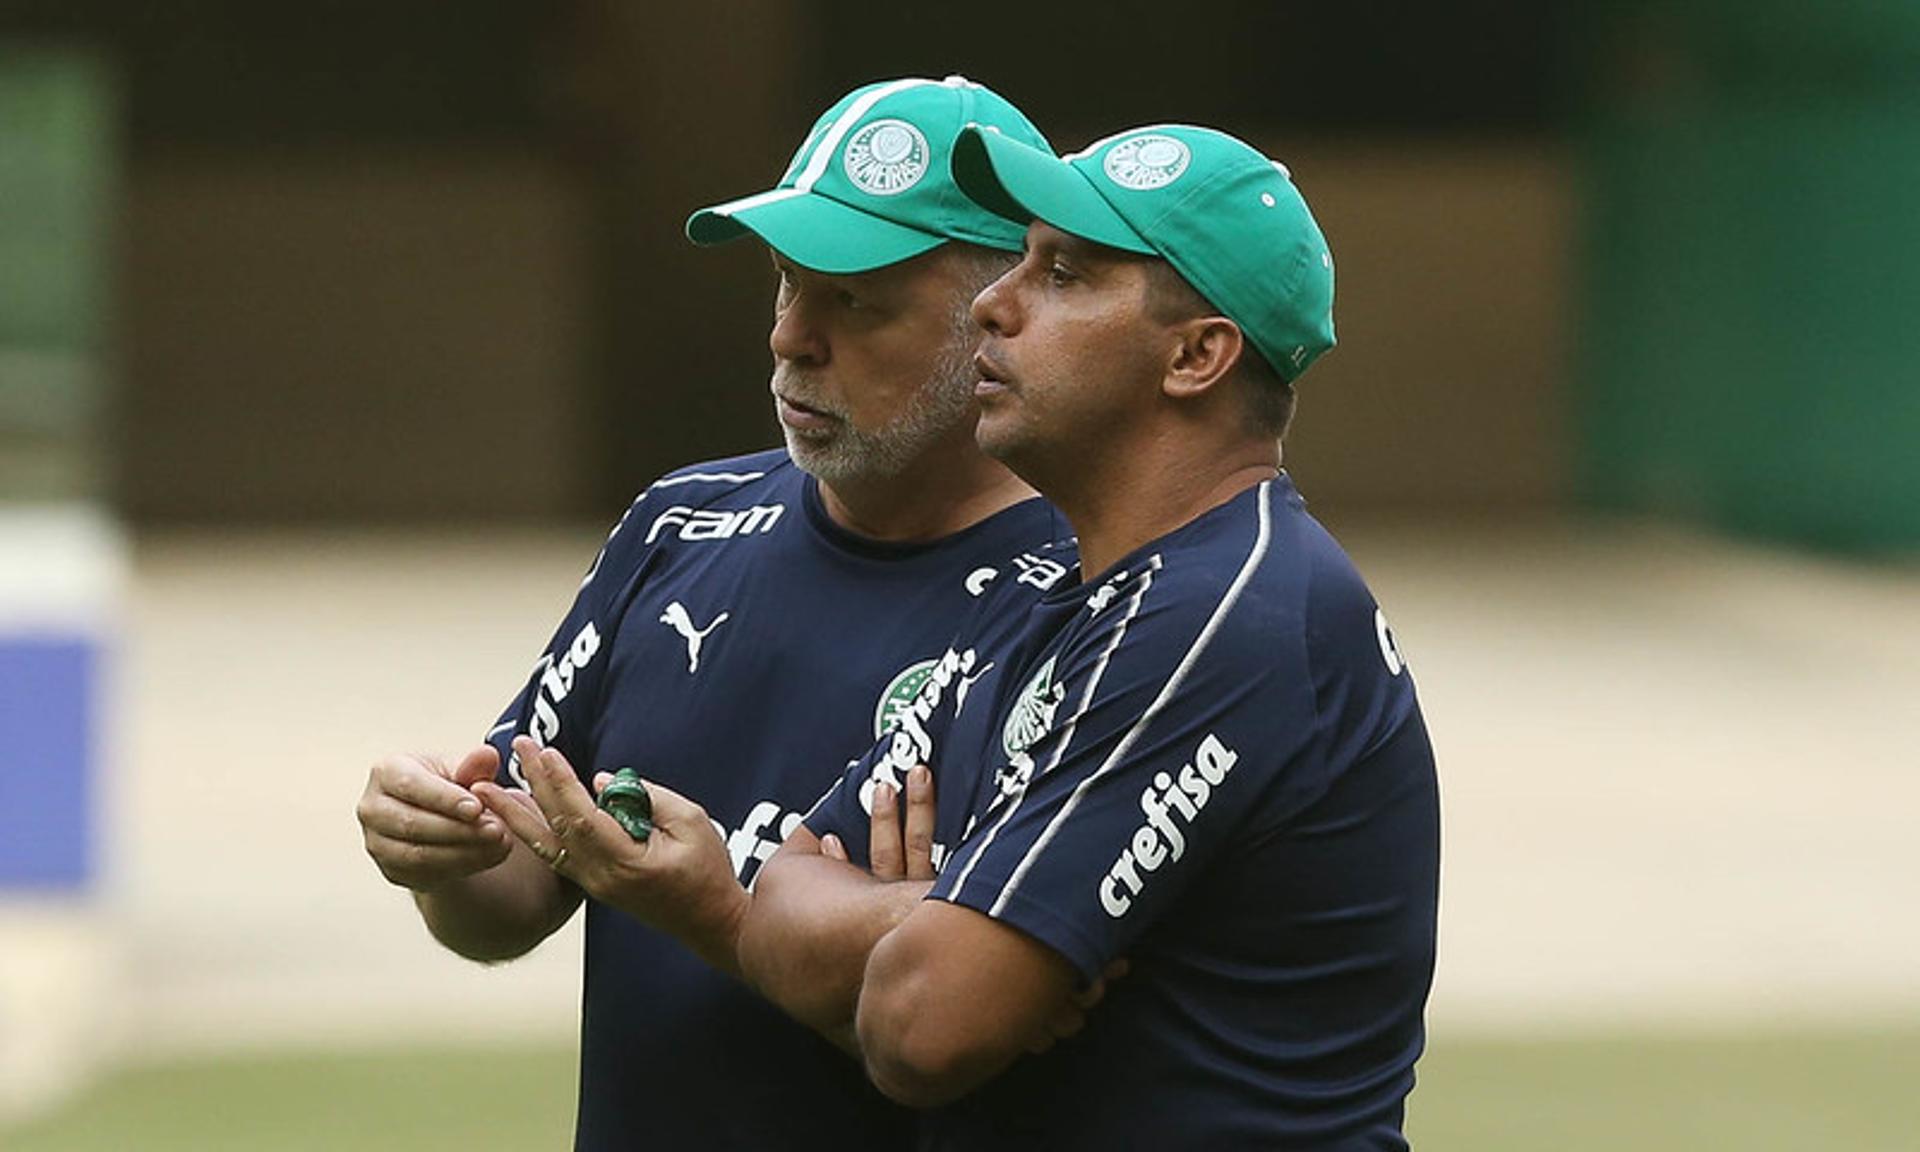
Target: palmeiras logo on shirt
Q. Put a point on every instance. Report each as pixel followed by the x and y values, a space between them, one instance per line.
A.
pixel 900 694
pixel 886 157
pixel 1144 163
pixel 1032 714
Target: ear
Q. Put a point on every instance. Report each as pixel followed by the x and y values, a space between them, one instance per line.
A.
pixel 1208 348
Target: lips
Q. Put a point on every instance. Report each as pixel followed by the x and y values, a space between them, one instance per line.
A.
pixel 803 417
pixel 993 377
pixel 800 406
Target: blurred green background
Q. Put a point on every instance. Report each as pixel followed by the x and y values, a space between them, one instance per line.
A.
pixel 1770 1092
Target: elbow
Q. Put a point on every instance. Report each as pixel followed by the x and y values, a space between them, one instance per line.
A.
pixel 906 1062
pixel 913 1053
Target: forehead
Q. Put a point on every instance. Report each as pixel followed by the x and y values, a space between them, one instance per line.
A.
pixel 929 274
pixel 1044 237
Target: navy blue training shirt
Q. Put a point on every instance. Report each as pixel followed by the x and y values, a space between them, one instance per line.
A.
pixel 1210 761
pixel 734 644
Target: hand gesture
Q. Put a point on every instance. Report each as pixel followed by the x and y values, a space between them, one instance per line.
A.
pixel 423 825
pixel 679 880
pixel 899 847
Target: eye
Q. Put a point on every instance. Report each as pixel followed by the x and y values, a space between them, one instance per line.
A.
pixel 848 300
pixel 1059 274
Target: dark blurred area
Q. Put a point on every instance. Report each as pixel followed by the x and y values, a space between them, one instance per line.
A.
pixel 405 262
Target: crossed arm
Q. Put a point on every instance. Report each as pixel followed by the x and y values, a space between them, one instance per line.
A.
pixel 934 998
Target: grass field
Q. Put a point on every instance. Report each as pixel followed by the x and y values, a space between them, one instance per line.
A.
pixel 1757 1093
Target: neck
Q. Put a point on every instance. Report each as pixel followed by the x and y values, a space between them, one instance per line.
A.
pixel 941 493
pixel 1146 495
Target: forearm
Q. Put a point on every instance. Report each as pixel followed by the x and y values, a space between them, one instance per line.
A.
pixel 806 936
pixel 951 998
pixel 501 913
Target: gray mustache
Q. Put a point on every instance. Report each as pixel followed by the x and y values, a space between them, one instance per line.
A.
pixel 795 388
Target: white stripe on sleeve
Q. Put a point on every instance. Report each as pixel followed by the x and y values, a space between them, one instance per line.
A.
pixel 708 478
pixel 1073 722
pixel 1160 701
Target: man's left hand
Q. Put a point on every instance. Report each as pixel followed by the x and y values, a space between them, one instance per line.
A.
pixel 679 880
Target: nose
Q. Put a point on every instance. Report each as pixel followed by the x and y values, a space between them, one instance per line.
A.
pixel 795 339
pixel 993 308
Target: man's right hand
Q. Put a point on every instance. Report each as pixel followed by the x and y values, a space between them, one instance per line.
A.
pixel 422 824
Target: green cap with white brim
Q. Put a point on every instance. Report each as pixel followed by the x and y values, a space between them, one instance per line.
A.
pixel 1225 216
pixel 873 185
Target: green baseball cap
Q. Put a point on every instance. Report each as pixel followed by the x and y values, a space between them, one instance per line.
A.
pixel 873 183
pixel 1226 217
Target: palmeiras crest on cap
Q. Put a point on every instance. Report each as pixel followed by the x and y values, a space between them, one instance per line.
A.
pixel 1144 163
pixel 886 157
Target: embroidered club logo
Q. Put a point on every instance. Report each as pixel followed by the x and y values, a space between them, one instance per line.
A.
pixel 1032 713
pixel 900 694
pixel 886 157
pixel 1144 163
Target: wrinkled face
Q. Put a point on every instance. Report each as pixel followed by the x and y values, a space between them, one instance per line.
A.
pixel 872 370
pixel 1070 355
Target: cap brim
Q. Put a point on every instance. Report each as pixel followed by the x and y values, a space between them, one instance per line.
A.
pixel 813 231
pixel 1022 183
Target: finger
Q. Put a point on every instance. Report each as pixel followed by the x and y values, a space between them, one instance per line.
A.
pixel 493 796
pixel 483 763
pixel 674 813
pixel 565 802
pixel 593 839
pixel 1097 991
pixel 833 849
pixel 426 864
pixel 883 845
pixel 1068 1021
pixel 409 825
pixel 521 816
pixel 918 841
pixel 423 783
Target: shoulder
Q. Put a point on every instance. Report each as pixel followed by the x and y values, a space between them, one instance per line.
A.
pixel 710 480
pixel 1256 587
pixel 1328 638
pixel 712 498
pixel 1233 582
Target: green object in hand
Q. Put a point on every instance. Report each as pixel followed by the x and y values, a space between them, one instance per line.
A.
pixel 625 799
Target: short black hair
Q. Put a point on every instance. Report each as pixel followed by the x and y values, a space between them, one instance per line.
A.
pixel 1269 395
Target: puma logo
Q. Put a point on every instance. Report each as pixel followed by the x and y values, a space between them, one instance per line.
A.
pixel 676 618
pixel 965 686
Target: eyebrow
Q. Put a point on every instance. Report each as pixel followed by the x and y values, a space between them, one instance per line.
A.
pixel 1095 257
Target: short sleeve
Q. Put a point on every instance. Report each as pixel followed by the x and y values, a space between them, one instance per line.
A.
pixel 1175 724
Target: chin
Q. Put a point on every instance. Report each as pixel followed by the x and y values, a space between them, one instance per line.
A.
pixel 998 439
pixel 809 457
